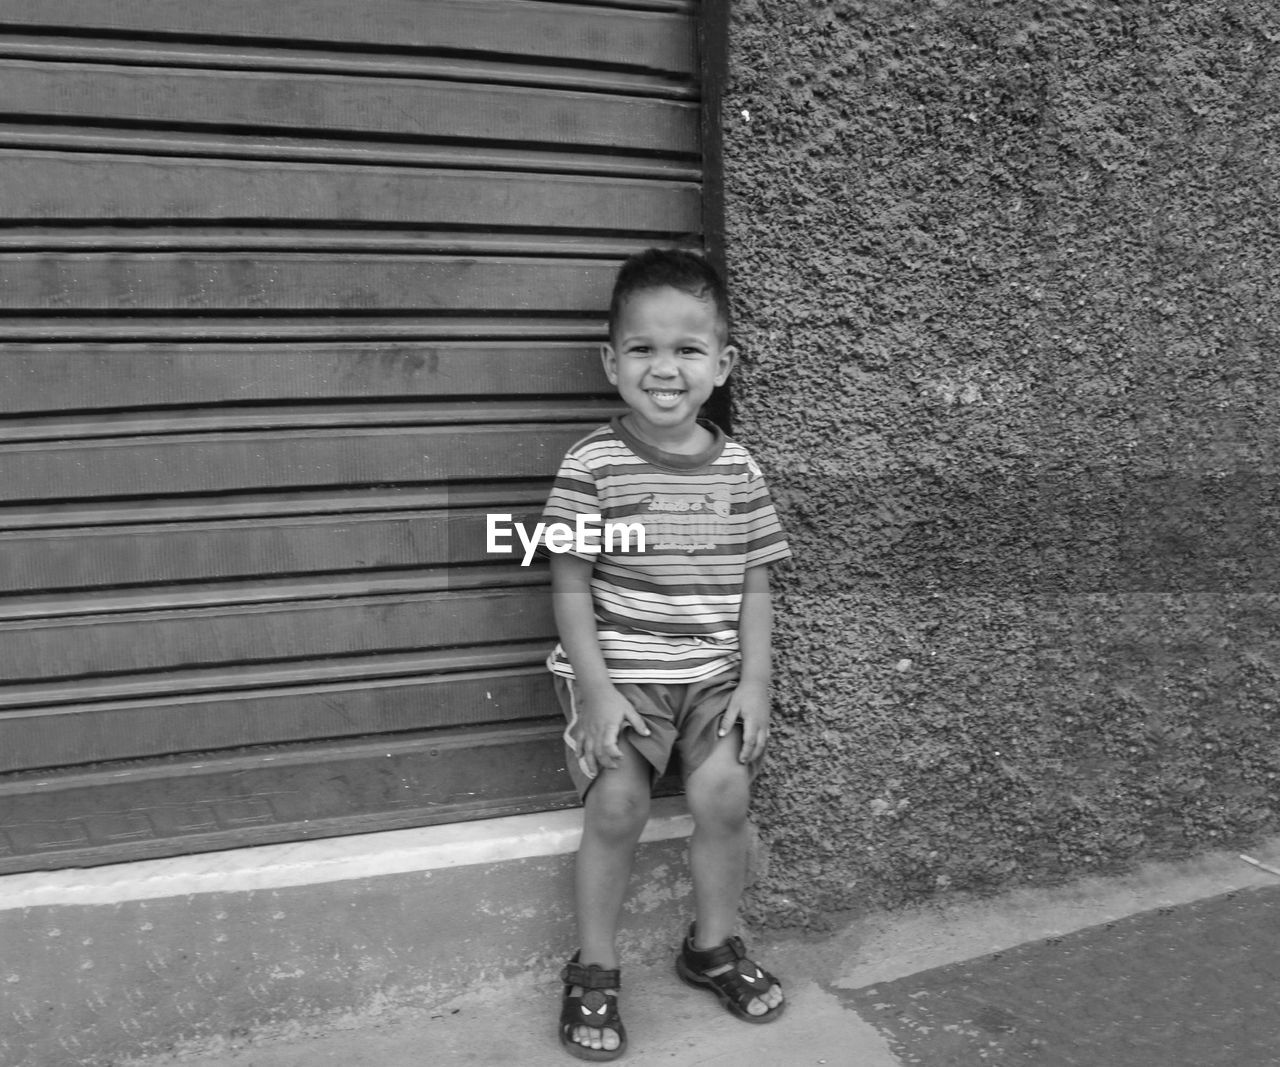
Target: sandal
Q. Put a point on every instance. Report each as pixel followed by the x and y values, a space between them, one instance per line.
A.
pixel 593 1007
pixel 737 987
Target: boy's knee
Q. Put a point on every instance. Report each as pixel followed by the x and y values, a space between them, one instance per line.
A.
pixel 722 798
pixel 615 811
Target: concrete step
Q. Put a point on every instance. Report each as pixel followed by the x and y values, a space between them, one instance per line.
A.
pixel 108 964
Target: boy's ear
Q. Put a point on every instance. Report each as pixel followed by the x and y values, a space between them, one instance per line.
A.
pixel 609 359
pixel 727 360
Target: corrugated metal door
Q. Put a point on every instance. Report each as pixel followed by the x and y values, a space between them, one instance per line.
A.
pixel 292 295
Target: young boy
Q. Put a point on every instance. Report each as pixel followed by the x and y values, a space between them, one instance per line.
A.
pixel 667 647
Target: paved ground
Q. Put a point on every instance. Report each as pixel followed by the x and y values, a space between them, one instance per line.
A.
pixel 1175 965
pixel 1193 984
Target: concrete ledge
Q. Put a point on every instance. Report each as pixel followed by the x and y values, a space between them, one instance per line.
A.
pixel 113 963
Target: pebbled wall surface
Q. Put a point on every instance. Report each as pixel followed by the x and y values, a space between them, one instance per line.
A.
pixel 1006 278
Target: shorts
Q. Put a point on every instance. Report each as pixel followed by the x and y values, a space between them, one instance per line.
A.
pixel 683 717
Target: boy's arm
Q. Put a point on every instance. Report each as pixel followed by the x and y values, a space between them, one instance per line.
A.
pixel 750 701
pixel 601 709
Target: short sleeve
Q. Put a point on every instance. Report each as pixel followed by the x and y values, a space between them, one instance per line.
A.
pixel 765 540
pixel 574 497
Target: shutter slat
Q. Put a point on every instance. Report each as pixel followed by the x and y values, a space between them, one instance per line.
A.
pixel 227 801
pixel 291 283
pixel 59 188
pixel 232 56
pixel 79 377
pixel 322 239
pixel 81 558
pixel 176 685
pixel 565 33
pixel 502 496
pixel 511 157
pixel 234 419
pixel 500 571
pixel 87 733
pixel 157 641
pixel 238 462
pixel 330 104
pixel 183 328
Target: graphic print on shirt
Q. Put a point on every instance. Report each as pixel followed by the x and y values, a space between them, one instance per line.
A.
pixel 676 522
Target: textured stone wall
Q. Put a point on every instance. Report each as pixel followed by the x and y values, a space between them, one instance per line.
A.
pixel 1005 279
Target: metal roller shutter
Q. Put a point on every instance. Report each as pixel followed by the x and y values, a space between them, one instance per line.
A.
pixel 292 296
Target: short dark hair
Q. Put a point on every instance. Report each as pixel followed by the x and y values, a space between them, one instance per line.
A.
pixel 655 268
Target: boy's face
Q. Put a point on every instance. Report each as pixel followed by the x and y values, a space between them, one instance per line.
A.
pixel 667 354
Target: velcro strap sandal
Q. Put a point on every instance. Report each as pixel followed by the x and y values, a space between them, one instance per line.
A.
pixel 595 1007
pixel 743 982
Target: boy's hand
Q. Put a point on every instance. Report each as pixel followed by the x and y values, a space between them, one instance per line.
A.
pixel 750 704
pixel 602 713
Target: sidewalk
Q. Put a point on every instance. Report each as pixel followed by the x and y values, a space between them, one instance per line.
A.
pixel 1174 965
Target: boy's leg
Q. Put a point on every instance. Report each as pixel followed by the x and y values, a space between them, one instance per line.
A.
pixel 718 792
pixel 615 811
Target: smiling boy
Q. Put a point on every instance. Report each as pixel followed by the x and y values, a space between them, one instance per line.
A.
pixel 667 649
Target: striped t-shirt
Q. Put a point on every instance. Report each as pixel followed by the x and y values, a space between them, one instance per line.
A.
pixel 669 613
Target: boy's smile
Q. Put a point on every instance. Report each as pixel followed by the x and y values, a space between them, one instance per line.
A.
pixel 668 354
